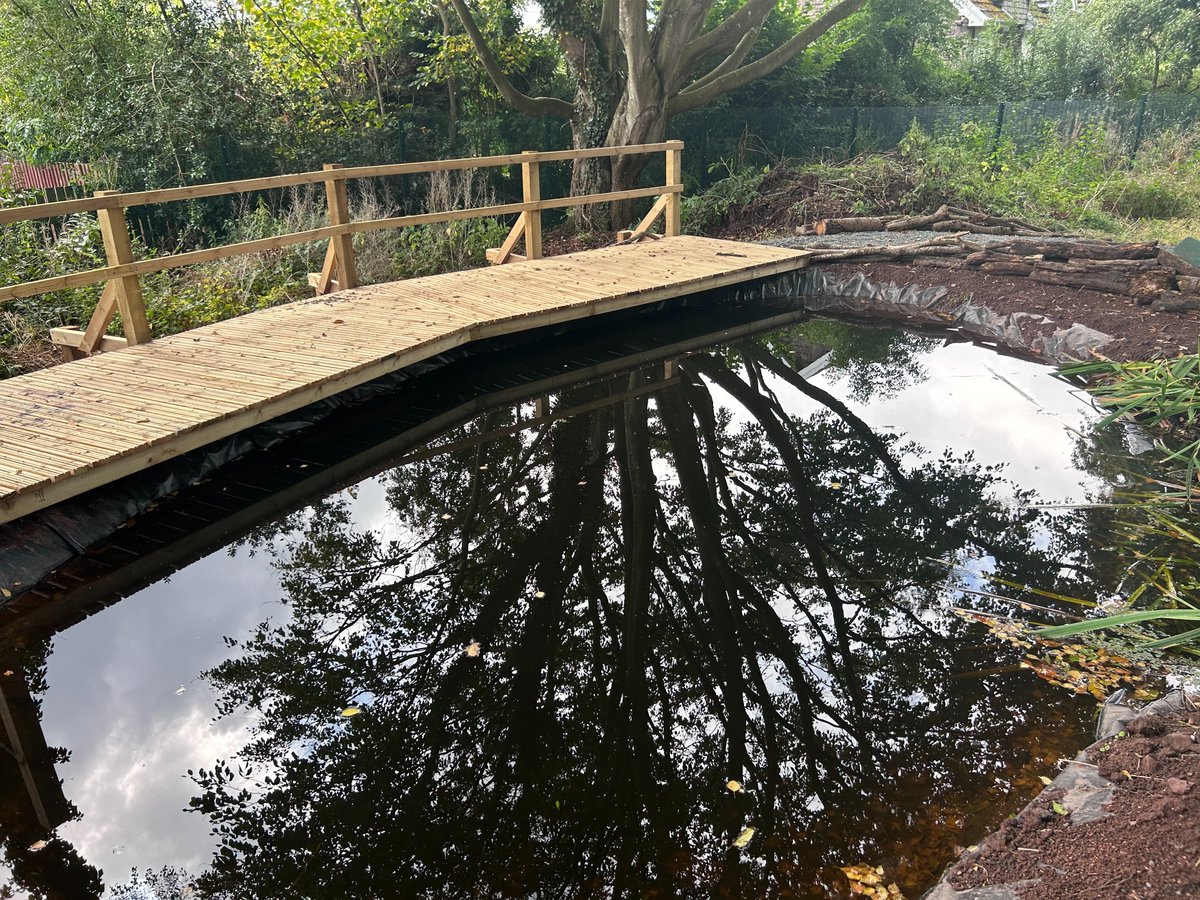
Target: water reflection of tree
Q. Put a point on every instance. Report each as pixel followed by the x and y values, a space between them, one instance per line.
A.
pixel 668 591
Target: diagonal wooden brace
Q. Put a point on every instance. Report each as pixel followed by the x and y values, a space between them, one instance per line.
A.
pixel 106 308
pixel 505 251
pixel 643 227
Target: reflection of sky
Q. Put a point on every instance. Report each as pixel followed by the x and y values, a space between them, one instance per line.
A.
pixel 113 702
pixel 1004 410
pixel 114 678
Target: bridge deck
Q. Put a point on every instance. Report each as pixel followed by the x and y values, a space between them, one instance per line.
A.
pixel 74 427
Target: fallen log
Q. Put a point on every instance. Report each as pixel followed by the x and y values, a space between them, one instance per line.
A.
pixel 852 224
pixel 915 223
pixel 1080 249
pixel 1007 267
pixel 1189 284
pixel 972 227
pixel 1151 284
pixel 1110 282
pixel 1174 301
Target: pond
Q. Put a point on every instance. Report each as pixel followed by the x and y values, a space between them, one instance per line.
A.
pixel 582 642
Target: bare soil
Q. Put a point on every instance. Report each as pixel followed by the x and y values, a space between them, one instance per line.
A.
pixel 1139 333
pixel 1146 848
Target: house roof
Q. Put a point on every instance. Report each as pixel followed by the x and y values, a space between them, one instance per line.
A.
pixel 978 13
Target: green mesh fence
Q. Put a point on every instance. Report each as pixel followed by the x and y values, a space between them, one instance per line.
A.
pixel 714 135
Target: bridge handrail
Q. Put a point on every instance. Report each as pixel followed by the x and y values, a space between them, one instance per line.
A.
pixel 124 293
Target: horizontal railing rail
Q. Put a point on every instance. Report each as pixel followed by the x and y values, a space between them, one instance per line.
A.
pixel 123 291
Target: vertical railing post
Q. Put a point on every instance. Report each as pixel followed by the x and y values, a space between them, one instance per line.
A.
pixel 674 177
pixel 531 188
pixel 128 290
pixel 341 244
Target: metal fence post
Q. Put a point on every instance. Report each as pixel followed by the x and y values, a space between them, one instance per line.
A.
pixel 1000 109
pixel 1137 131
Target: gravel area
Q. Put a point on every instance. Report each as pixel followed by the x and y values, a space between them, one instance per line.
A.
pixel 885 239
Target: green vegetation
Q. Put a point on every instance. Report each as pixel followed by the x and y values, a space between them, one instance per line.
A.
pixel 1164 397
pixel 1079 182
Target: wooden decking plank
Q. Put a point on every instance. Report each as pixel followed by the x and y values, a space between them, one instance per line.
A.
pixel 77 426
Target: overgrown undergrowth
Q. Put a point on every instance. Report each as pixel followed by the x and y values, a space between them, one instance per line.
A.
pixel 1079 182
pixel 181 299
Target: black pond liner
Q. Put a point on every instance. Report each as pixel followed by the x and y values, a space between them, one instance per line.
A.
pixel 363 429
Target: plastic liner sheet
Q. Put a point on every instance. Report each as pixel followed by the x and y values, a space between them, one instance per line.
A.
pixel 859 296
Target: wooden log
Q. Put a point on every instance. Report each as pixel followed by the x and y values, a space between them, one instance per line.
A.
pixel 937 262
pixel 1177 264
pixel 971 227
pixel 978 258
pixel 1108 282
pixel 1174 301
pixel 850 224
pixel 914 223
pixel 1189 284
pixel 1008 267
pixel 1151 284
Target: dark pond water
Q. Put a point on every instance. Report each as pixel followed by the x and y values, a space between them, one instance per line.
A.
pixel 563 637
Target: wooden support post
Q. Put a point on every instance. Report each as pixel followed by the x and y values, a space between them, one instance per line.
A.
pixel 674 201
pixel 531 183
pixel 541 407
pixel 341 245
pixel 128 290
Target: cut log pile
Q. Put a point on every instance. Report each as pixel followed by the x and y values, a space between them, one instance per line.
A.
pixel 946 218
pixel 1146 272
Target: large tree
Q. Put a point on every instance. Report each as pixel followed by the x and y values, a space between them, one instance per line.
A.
pixel 636 63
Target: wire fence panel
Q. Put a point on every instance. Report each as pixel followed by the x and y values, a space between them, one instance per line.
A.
pixel 714 136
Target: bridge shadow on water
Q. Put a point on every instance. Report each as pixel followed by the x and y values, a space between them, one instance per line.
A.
pixel 617 599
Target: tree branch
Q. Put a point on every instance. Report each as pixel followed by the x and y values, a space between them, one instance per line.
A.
pixel 731 62
pixel 692 98
pixel 531 106
pixel 726 35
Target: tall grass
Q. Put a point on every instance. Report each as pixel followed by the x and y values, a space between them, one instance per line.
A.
pixel 1163 395
pixel 181 299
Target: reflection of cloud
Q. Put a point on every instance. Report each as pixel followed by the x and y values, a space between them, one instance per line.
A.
pixel 112 702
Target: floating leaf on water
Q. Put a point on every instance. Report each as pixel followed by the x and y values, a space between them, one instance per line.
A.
pixel 745 837
pixel 351 711
pixel 8 673
pixel 6 592
pixel 182 689
pixel 734 785
pixel 835 485
pixel 472 649
pixel 868 881
pixel 1058 808
pixel 446 517
pixel 538 595
pixel 1046 780
pixel 37 845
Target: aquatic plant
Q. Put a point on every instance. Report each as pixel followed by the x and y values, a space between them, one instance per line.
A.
pixel 1163 395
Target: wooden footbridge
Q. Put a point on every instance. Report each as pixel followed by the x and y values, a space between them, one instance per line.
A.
pixel 105 415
